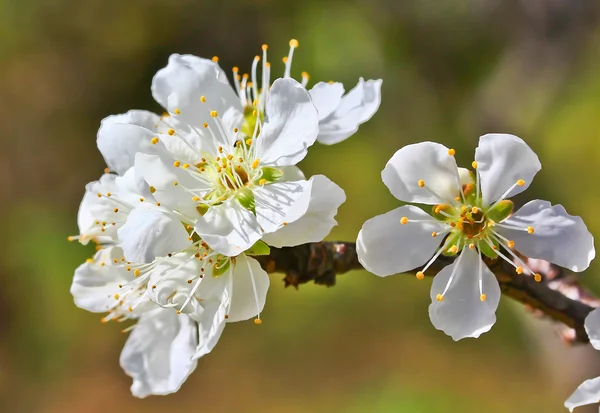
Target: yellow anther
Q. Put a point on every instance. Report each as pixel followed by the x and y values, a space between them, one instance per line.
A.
pixel 255 163
pixel 89 260
pixel 116 296
pixel 230 157
pixel 451 152
pixel 102 264
pixel 178 312
pixel 215 59
pixel 175 183
pixel 176 164
pixel 439 297
pixel 421 183
pixel 154 140
pixel 214 113
pixel 177 111
pixel 152 189
pixel 474 164
pixel 116 210
pixel 519 270
pixel 453 249
pixel 158 204
pixel 235 130
pixel 248 142
pixel 245 76
pixel 218 158
pixel 106 170
pixel 434 234
pixel 537 278
pixel 520 182
pixel 404 220
pixel 71 238
pixel 475 210
pixel 305 75
pixel 195 199
pixel 294 43
pixel 130 308
pixel 420 275
pixel 471 246
pixel 268 64
pixel 483 297
pixel 203 99
pixel 257 58
pixel 257 321
pixel 136 272
pixel 255 102
pixel 128 268
pixel 265 47
pixel 141 199
pixel 457 199
pixel 205 125
pixel 171 132
pixel 284 223
pixel 463 208
pixel 511 244
pixel 185 165
pixel 235 69
pixel 284 59
pixel 530 230
pixel 254 112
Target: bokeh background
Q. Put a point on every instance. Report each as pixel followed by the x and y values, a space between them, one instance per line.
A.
pixel 452 71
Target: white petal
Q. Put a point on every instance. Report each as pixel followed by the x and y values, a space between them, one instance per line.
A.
pixel 229 228
pixel 291 173
pixel 502 160
pixel 462 313
pixel 158 353
pixel 120 137
pixel 281 202
pixel 357 107
pixel 291 124
pixel 131 187
pixel 427 161
pixel 249 290
pixel 326 97
pixel 587 393
pixel 159 172
pixel 149 233
pixel 95 285
pixel 180 85
pixel 592 328
pixel 95 209
pixel 385 246
pixel 169 284
pixel 560 238
pixel 317 222
pixel 215 293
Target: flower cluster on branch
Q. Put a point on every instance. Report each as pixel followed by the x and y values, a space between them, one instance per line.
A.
pixel 198 205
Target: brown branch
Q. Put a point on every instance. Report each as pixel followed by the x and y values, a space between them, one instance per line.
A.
pixel 558 296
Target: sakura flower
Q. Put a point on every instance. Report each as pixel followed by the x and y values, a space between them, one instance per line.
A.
pixel 471 218
pixel 589 391
pixel 217 160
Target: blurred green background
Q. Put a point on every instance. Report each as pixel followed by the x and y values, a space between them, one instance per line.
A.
pixel 452 70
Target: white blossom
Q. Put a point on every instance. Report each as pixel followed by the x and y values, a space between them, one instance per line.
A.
pixel 471 218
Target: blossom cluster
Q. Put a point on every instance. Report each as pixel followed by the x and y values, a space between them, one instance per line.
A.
pixel 188 199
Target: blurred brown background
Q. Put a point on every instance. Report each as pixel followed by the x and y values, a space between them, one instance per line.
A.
pixel 452 71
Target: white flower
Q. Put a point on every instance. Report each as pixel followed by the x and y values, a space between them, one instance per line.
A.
pixel 215 163
pixel 471 218
pixel 589 391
